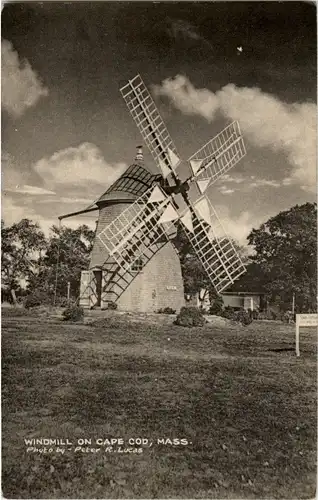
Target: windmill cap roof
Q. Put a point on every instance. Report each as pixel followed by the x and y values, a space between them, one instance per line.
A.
pixel 133 183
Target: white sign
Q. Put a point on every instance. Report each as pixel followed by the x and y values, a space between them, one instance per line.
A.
pixel 304 320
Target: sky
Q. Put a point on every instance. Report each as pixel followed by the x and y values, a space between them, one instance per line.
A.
pixel 66 131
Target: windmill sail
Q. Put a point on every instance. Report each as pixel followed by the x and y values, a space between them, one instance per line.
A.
pixel 218 155
pixel 129 236
pixel 150 124
pixel 212 245
pixel 201 223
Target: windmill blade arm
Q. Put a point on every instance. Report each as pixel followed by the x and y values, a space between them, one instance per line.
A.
pixel 212 245
pixel 128 236
pixel 218 155
pixel 150 124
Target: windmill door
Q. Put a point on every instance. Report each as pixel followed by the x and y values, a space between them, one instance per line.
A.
pixel 88 290
pixel 98 287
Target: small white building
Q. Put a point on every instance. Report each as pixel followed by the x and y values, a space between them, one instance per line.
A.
pixel 245 300
pixel 238 300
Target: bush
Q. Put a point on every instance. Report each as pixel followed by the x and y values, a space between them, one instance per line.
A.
pixel 73 313
pixel 63 302
pixel 190 316
pixel 166 310
pixel 244 317
pixel 287 317
pixel 269 314
pixel 255 314
pixel 36 299
pixel 217 306
pixel 32 301
pixel 112 305
pixel 241 316
pixel 229 313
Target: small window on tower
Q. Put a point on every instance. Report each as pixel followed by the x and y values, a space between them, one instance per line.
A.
pixel 137 265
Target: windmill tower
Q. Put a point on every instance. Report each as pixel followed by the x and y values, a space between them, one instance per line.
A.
pixel 133 261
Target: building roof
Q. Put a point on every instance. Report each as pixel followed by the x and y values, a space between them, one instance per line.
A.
pixel 133 183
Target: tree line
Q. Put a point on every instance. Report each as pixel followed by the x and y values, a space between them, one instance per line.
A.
pixel 33 263
pixel 283 262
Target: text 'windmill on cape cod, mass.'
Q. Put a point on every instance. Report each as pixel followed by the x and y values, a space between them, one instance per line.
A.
pixel 134 262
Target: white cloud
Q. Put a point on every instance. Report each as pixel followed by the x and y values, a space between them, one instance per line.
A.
pixel 246 183
pixel 75 222
pixel 178 28
pixel 183 28
pixel 238 227
pixel 225 190
pixel 15 178
pixel 12 212
pixel 264 119
pixel 21 86
pixel 78 175
pixel 187 98
pixel 11 175
pixel 236 180
pixel 79 166
pixel 66 199
pixel 34 190
pixel 265 182
pixel 287 181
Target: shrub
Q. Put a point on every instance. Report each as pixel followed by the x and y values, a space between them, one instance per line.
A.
pixel 32 301
pixel 255 314
pixel 287 317
pixel 243 317
pixel 262 315
pixel 229 313
pixel 269 314
pixel 217 306
pixel 63 302
pixel 190 316
pixel 166 310
pixel 73 313
pixel 36 299
pixel 112 305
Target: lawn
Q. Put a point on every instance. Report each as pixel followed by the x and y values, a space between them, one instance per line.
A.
pixel 239 396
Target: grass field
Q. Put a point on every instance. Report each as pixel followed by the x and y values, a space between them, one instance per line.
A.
pixel 239 395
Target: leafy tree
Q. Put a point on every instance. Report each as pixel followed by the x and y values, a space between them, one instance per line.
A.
pixel 67 253
pixel 194 276
pixel 252 280
pixel 21 248
pixel 286 256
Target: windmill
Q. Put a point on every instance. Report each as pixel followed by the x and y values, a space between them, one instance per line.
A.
pixel 140 229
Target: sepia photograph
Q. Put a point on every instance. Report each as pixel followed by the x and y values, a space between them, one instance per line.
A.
pixel 159 250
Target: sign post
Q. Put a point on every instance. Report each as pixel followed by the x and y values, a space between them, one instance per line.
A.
pixel 304 320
